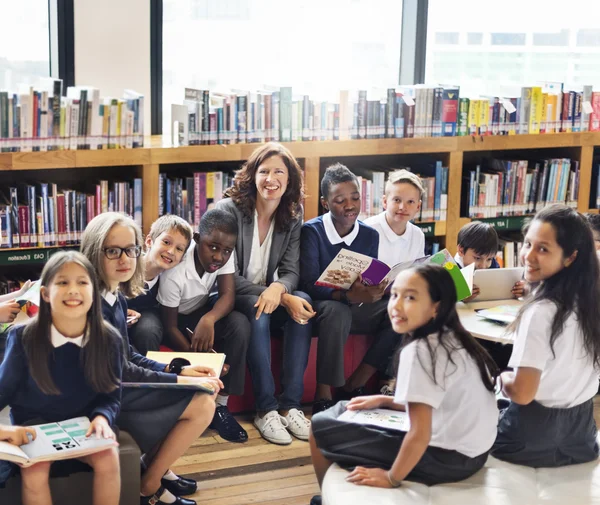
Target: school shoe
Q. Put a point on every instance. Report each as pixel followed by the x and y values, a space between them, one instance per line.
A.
pixel 298 425
pixel 272 427
pixel 322 405
pixel 227 426
pixel 155 499
pixel 316 500
pixel 180 486
pixel 342 395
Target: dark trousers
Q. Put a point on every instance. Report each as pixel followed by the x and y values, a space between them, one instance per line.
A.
pixel 232 334
pixel 296 346
pixel 351 444
pixel 147 334
pixel 335 321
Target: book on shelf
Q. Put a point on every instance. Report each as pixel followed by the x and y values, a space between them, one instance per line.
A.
pixel 41 119
pixel 56 441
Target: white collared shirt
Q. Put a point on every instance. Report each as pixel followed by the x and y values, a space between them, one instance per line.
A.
pixel 150 284
pixel 58 339
pixel 332 234
pixel 394 249
pixel 459 260
pixel 258 264
pixel 183 288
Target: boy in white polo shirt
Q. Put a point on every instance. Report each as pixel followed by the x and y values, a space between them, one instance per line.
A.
pixel 196 321
pixel 399 239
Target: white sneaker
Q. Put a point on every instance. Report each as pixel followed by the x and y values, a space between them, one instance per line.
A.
pixel 272 427
pixel 298 425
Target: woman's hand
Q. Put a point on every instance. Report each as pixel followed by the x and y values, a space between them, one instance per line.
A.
pixel 9 311
pixel 203 338
pixel 366 402
pixel 17 435
pixel 269 299
pixel 298 308
pixel 374 477
pixel 132 317
pixel 101 428
pixel 210 382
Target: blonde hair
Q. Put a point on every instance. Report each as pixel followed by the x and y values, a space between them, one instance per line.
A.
pixel 92 243
pixel 406 176
pixel 170 222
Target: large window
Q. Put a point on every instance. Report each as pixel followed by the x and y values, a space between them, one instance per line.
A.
pixel 24 43
pixel 316 46
pixel 497 48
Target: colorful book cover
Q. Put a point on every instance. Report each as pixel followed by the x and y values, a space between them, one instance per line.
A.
pixel 505 314
pixel 382 418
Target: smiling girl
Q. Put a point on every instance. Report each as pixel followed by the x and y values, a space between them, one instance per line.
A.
pixel 556 351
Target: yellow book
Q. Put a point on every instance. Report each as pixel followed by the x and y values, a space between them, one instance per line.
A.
pixel 535 110
pixel 544 120
pixel 212 360
pixel 474 114
pixel 210 185
pixel 551 108
pixel 484 117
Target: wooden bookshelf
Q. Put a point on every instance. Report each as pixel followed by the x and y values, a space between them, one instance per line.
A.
pixel 147 162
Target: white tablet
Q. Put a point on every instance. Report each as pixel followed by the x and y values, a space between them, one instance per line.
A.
pixel 496 283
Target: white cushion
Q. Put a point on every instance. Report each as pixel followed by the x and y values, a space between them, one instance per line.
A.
pixel 497 483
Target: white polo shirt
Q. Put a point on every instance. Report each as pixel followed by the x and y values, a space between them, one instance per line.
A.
pixel 182 287
pixel 394 249
pixel 334 236
pixel 569 377
pixel 465 415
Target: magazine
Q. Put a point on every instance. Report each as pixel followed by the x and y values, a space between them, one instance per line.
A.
pixel 504 314
pixel 347 265
pixel 56 441
pixel 382 418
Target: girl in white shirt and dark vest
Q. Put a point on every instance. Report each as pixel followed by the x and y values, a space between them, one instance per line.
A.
pixel 445 382
pixel 549 421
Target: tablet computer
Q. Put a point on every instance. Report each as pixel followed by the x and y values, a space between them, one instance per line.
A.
pixel 496 283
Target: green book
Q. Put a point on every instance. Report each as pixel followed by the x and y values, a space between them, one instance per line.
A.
pixel 463 279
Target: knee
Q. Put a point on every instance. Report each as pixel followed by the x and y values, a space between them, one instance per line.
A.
pixel 202 405
pixel 106 462
pixel 335 311
pixel 33 477
pixel 245 304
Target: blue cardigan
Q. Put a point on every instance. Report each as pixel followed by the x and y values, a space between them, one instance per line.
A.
pixel 76 398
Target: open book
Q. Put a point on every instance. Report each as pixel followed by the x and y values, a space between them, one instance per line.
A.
pixel 347 265
pixel 382 418
pixel 504 314
pixel 29 302
pixel 55 441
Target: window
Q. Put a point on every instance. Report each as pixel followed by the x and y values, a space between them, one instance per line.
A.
pixel 24 43
pixel 317 47
pixel 446 38
pixel 522 42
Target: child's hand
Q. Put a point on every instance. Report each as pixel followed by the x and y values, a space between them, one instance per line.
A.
pixel 211 382
pixel 26 285
pixel 298 308
pixel 132 317
pixel 374 477
pixel 365 402
pixel 17 435
pixel 204 335
pixel 474 294
pixel 518 289
pixel 9 311
pixel 101 428
pixel 359 293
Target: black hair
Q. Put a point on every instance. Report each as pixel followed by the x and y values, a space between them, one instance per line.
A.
pixel 594 221
pixel 574 289
pixel 335 174
pixel 447 324
pixel 481 237
pixel 217 219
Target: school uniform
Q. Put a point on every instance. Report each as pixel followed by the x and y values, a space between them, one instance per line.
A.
pixel 394 249
pixel 463 425
pixel 258 266
pixel 147 414
pixel 459 262
pixel 147 334
pixel 320 243
pixel 558 427
pixel 183 288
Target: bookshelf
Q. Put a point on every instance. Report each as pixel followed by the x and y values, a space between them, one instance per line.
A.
pixel 147 162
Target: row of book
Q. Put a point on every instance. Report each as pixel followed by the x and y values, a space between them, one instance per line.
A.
pixel 208 117
pixel 515 188
pixel 508 253
pixel 434 203
pixel 42 215
pixel 41 119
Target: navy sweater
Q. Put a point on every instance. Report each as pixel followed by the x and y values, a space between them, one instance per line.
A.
pixel 316 252
pixel 147 301
pixel 76 398
pixel 137 368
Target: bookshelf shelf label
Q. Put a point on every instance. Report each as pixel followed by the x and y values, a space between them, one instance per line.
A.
pixel 26 256
pixel 508 223
pixel 428 229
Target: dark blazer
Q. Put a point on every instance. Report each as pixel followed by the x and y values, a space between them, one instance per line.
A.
pixel 285 252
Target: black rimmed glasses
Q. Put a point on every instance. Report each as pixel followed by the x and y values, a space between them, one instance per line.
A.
pixel 114 253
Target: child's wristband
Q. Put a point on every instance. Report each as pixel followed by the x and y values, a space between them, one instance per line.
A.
pixel 393 482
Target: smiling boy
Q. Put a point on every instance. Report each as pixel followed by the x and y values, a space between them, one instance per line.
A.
pixel 185 297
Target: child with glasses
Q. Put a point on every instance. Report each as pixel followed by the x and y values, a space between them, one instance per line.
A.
pixel 164 423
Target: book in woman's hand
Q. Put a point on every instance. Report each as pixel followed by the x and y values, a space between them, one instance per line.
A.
pixel 56 441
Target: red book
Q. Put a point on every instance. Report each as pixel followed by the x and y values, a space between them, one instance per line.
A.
pixel 24 226
pixel 61 219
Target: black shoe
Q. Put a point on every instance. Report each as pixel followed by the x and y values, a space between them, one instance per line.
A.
pixel 321 405
pixel 227 426
pixel 316 500
pixel 342 395
pixel 180 487
pixel 154 499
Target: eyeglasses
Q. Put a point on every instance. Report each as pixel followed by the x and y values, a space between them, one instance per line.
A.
pixel 114 253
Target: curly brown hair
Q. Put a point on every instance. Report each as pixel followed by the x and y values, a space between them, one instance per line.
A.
pixel 243 191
